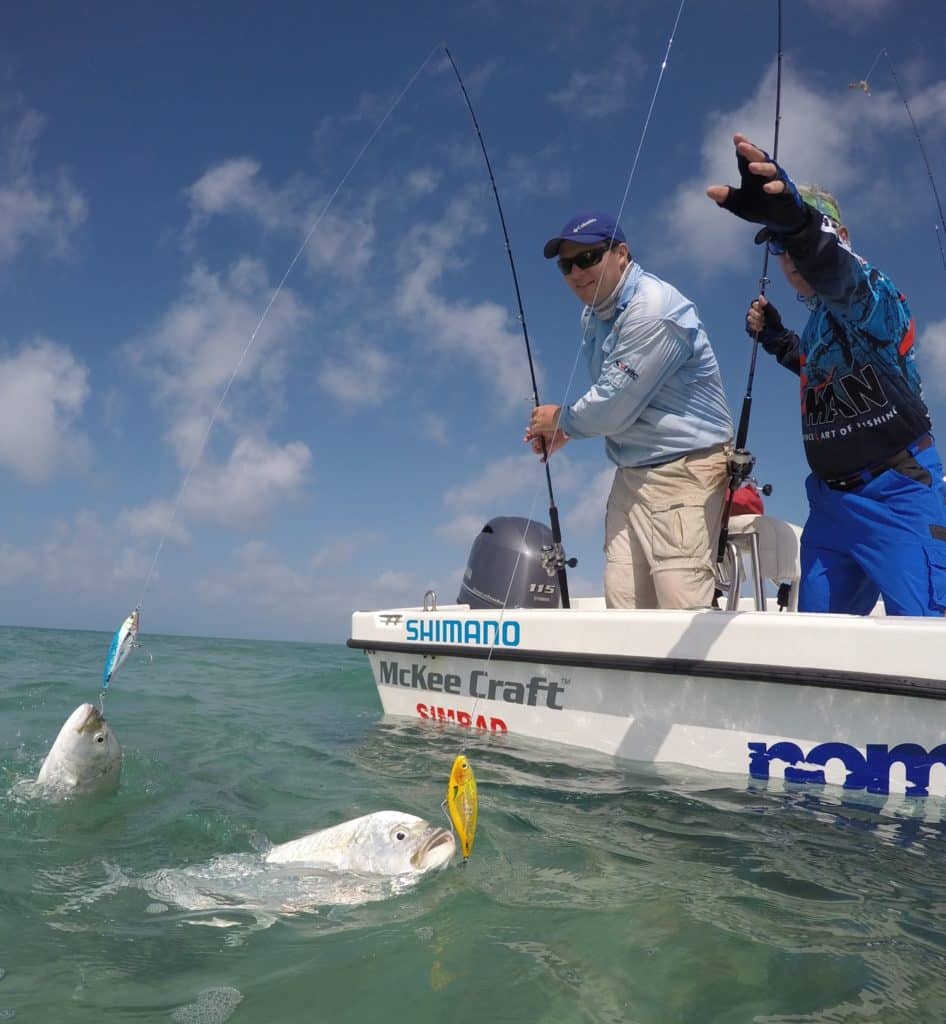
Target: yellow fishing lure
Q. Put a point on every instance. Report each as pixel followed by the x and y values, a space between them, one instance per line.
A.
pixel 461 803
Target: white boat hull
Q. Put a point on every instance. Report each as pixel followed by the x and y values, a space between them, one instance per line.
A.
pixel 814 699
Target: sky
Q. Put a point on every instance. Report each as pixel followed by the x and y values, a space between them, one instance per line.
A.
pixel 166 170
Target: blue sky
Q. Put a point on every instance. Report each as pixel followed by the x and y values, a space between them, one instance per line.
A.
pixel 161 165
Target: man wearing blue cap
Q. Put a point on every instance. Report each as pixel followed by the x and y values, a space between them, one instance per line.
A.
pixel 877 502
pixel 658 401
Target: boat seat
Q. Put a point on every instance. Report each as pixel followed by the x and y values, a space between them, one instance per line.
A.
pixel 772 548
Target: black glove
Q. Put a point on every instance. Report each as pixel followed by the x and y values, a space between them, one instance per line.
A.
pixel 772 318
pixel 782 214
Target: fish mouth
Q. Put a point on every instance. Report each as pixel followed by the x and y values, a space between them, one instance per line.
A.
pixel 91 721
pixel 440 840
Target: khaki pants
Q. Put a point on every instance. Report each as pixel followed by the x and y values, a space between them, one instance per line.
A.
pixel 661 531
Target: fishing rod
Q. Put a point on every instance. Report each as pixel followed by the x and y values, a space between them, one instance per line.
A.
pixel 926 161
pixel 556 558
pixel 864 84
pixel 741 461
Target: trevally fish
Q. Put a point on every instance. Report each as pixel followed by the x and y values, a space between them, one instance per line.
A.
pixel 123 642
pixel 375 857
pixel 85 757
pixel 360 861
pixel 382 843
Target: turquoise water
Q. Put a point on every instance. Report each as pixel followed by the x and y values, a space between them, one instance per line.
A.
pixel 597 891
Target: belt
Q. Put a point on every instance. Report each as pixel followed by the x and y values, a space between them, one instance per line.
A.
pixel 721 447
pixel 855 480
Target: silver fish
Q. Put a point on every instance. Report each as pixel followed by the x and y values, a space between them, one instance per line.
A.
pixel 375 857
pixel 382 843
pixel 85 758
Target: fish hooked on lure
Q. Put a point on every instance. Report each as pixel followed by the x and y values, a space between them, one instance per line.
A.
pixel 124 642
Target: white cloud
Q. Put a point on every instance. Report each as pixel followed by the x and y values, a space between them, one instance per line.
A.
pixel 214 332
pixel 342 243
pixel 369 108
pixel 433 427
pixel 235 187
pixel 587 516
pixel 423 181
pixel 883 108
pixel 928 105
pixel 603 91
pixel 392 580
pixel 83 556
pixel 850 11
pixel 42 391
pixel 931 347
pixel 825 141
pixel 513 485
pixel 46 208
pixel 257 576
pixel 257 477
pixel 198 343
pixel 463 528
pixel 538 174
pixel 153 521
pixel 341 550
pixel 364 378
pixel 16 565
pixel 483 333
pixel 474 79
pixel 499 480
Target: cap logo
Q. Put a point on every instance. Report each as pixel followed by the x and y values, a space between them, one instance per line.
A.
pixel 584 224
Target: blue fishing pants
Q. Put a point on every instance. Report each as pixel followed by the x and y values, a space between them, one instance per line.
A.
pixel 887 538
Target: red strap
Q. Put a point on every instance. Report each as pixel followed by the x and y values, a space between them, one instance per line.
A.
pixel 908 339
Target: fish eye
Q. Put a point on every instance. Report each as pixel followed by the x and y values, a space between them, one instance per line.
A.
pixel 99 738
pixel 399 833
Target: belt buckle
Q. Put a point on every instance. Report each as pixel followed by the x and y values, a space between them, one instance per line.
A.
pixel 848 483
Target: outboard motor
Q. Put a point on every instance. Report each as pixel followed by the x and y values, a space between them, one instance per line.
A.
pixel 506 559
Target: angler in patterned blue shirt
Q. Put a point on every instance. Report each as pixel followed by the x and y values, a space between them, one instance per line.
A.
pixel 877 501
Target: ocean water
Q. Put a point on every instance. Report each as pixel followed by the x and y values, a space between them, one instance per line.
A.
pixel 597 890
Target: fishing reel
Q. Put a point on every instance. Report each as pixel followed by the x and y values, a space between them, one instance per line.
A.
pixel 740 464
pixel 553 558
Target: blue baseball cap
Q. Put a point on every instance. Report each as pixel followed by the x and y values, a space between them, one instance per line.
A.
pixel 586 227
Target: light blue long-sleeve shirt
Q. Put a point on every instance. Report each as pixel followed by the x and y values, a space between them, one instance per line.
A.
pixel 657 393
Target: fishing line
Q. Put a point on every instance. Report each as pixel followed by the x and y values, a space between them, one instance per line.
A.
pixel 741 461
pixel 864 84
pixel 265 313
pixel 630 179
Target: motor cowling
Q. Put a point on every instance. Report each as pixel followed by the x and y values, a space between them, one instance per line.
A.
pixel 505 567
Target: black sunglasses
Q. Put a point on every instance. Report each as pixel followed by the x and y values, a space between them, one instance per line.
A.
pixel 583 260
